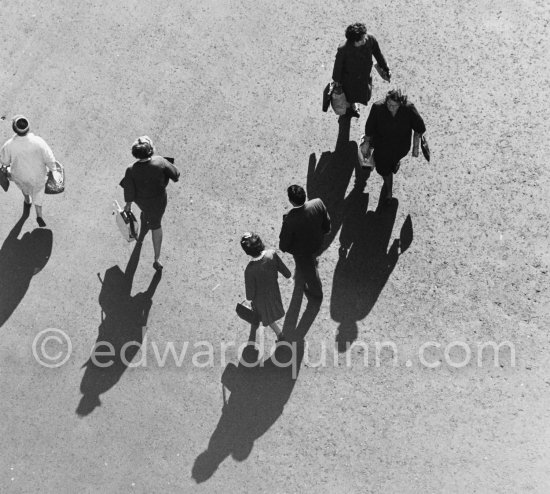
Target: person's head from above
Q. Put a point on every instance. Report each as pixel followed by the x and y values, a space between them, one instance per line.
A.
pixel 20 125
pixel 394 99
pixel 357 34
pixel 252 244
pixel 142 148
pixel 296 195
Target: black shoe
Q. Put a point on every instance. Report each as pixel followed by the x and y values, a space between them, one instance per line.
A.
pixel 40 221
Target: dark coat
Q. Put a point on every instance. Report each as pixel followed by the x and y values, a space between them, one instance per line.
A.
pixel 352 68
pixel 391 136
pixel 304 228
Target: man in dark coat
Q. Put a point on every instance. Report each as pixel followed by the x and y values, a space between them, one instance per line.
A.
pixel 302 234
pixel 353 65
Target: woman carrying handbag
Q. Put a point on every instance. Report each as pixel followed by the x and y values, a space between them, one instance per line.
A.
pixel 261 282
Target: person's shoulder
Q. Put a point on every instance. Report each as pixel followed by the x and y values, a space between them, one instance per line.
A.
pixel 36 139
pixel 158 160
pixel 371 37
pixel 316 201
pixel 9 141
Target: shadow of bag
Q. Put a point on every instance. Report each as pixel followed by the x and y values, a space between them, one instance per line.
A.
pixel 4 181
pixel 55 184
pixel 247 313
pixel 425 148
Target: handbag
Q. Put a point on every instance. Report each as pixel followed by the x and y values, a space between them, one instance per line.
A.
pixel 4 180
pixel 339 101
pixel 425 148
pixel 55 184
pixel 126 222
pixel 247 313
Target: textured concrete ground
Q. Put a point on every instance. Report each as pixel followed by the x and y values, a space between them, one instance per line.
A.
pixel 233 91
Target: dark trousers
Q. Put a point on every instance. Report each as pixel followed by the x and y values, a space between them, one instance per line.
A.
pixel 307 273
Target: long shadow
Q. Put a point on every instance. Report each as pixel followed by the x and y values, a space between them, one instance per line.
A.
pixel 120 334
pixel 258 392
pixel 366 262
pixel 257 398
pixel 21 259
pixel 328 178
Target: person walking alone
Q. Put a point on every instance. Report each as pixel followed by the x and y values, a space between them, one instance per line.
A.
pixel 29 158
pixel 145 184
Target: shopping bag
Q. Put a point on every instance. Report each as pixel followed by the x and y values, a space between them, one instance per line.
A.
pixel 4 180
pixel 338 101
pixel 55 184
pixel 126 222
pixel 247 313
pixel 362 149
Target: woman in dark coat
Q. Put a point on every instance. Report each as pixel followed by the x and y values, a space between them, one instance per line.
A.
pixel 353 65
pixel 145 184
pixel 388 134
pixel 262 286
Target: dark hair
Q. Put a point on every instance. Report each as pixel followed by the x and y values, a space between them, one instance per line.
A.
pixel 20 125
pixel 296 195
pixel 252 244
pixel 397 96
pixel 356 31
pixel 142 148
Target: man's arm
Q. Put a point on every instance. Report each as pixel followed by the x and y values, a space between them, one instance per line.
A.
pixel 325 224
pixel 285 237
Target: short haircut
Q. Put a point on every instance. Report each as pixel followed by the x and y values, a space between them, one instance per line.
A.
pixel 397 95
pixel 356 31
pixel 142 148
pixel 296 194
pixel 252 244
pixel 20 125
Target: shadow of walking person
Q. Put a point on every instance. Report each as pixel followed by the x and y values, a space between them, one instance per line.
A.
pixel 258 397
pixel 120 334
pixel 366 261
pixel 21 259
pixel 328 179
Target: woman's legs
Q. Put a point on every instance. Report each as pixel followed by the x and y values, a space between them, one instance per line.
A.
pixel 37 197
pixel 388 183
pixel 157 244
pixel 275 327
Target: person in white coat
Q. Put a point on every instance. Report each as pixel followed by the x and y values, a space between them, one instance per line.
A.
pixel 29 158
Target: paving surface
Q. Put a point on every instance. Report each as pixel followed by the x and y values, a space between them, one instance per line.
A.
pixel 233 91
